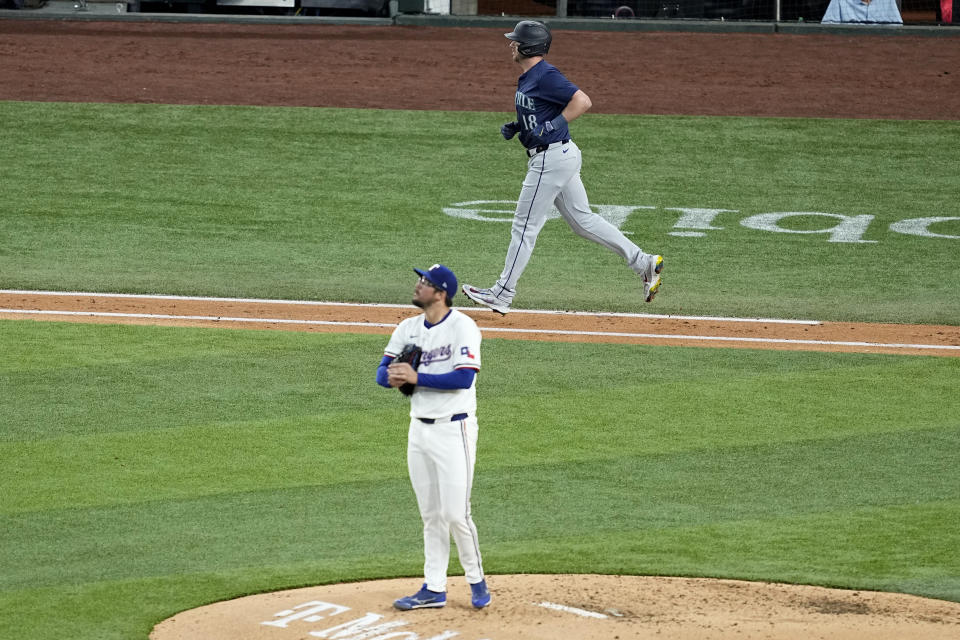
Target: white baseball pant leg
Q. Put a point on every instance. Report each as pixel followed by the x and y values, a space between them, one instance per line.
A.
pixel 440 460
pixel 553 178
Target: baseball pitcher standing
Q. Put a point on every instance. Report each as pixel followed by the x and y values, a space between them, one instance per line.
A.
pixel 442 440
pixel 546 103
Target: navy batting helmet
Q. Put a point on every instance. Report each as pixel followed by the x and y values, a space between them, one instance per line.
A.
pixel 533 37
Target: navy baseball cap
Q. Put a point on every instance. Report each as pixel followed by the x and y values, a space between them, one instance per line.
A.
pixel 441 277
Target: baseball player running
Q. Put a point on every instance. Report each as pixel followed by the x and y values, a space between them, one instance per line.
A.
pixel 442 440
pixel 546 103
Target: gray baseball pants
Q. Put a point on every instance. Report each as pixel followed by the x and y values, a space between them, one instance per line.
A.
pixel 553 179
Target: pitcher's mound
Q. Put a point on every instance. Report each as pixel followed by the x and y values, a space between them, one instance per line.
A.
pixel 568 607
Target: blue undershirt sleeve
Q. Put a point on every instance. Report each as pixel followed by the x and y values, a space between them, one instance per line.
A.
pixel 456 379
pixel 382 371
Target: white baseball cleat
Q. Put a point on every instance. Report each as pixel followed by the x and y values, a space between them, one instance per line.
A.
pixel 486 298
pixel 651 277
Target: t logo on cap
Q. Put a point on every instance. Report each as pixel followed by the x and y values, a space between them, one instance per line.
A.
pixel 440 277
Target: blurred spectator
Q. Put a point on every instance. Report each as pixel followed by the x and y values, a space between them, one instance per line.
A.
pixel 946 10
pixel 863 12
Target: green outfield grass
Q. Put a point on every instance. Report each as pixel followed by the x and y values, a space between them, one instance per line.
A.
pixel 339 204
pixel 148 470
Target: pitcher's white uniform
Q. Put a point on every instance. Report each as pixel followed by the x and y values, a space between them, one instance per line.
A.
pixel 442 442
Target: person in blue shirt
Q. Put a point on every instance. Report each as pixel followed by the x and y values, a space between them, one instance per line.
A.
pixel 546 103
pixel 862 12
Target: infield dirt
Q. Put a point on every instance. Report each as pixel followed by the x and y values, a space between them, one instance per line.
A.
pixel 586 607
pixel 930 340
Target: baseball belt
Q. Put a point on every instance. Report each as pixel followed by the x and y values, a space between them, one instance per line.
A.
pixel 454 418
pixel 532 151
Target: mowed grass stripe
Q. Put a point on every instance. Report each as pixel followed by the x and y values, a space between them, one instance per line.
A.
pixel 864 476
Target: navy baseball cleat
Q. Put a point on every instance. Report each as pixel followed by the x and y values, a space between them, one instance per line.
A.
pixel 422 599
pixel 651 277
pixel 486 298
pixel 480 595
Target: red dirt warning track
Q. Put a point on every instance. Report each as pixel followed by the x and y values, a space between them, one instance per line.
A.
pixel 470 68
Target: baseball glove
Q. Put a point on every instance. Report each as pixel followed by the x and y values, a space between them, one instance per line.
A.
pixel 411 355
